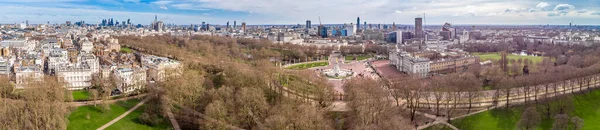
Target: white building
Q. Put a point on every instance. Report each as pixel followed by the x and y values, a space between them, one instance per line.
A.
pixel 160 68
pixel 75 78
pixel 129 80
pixel 90 60
pixel 86 46
pixel 58 58
pixel 27 74
pixel 351 30
pixel 405 62
pixel 6 65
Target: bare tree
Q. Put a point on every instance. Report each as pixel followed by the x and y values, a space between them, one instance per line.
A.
pixel 530 119
pixel 577 123
pixel 561 122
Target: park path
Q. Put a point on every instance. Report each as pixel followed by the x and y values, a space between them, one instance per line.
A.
pixel 123 115
pixel 85 103
pixel 172 119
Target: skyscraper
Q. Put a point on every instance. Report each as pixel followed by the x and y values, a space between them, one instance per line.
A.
pixel 419 28
pixel 234 25
pixel 365 25
pixel 244 26
pixel 308 22
pixel 357 22
pixel 227 27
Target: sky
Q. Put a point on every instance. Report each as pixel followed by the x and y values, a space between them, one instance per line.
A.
pixel 256 12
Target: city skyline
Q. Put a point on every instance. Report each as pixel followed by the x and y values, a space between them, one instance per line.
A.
pixel 256 12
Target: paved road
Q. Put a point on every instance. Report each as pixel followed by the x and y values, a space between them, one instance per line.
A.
pixel 85 103
pixel 123 115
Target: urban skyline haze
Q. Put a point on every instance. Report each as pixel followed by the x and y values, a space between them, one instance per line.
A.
pixel 218 12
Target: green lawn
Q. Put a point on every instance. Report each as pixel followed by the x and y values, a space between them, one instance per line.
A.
pixel 308 65
pixel 81 95
pixel 359 57
pixel 496 56
pixel 297 84
pixel 586 107
pixel 126 50
pixel 78 121
pixel 131 122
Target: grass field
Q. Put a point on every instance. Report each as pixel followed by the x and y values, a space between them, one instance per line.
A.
pixel 308 65
pixel 78 120
pixel 131 122
pixel 81 95
pixel 359 57
pixel 586 107
pixel 298 85
pixel 496 56
pixel 126 50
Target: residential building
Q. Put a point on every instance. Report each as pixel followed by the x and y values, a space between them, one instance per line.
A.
pixel 27 74
pixel 161 68
pixel 75 78
pixel 130 79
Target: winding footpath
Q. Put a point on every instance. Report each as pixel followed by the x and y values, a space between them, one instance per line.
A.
pixel 123 115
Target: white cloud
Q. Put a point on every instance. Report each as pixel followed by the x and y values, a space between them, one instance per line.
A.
pixel 162 2
pixel 187 7
pixel 398 11
pixel 542 5
pixel 563 7
pixel 132 1
pixel 596 13
pixel 15 14
pixel 164 7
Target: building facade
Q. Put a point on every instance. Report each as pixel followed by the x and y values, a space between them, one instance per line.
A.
pixel 413 65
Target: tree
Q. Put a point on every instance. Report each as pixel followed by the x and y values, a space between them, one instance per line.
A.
pixel 370 107
pixel 561 60
pixel 561 122
pixel 530 119
pixel 576 61
pixel 577 123
pixel 93 95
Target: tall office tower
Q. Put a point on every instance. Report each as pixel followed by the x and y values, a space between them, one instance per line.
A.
pixel 227 27
pixel 323 31
pixel 365 25
pixel 308 22
pixel 234 25
pixel 244 26
pixel 419 28
pixel 357 22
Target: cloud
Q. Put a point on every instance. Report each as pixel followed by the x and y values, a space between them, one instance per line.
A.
pixel 542 5
pixel 563 7
pixel 553 14
pixel 164 7
pixel 516 10
pixel 188 7
pixel 18 13
pixel 582 11
pixel 595 13
pixel 398 11
pixel 162 2
pixel 132 1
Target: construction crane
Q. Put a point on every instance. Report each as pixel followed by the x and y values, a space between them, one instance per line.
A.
pixel 320 21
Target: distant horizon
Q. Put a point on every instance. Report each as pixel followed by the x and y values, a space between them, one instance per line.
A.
pixel 476 12
pixel 402 24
